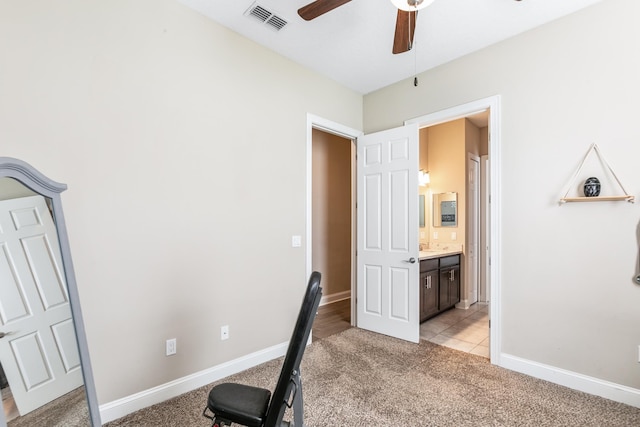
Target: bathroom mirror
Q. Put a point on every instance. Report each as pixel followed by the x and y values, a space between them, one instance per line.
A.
pixel 445 209
pixel 43 347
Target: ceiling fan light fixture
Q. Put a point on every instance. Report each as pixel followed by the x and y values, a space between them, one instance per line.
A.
pixel 411 5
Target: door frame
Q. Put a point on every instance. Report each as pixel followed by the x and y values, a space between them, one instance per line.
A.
pixel 473 213
pixel 492 104
pixel 325 125
pixel 484 292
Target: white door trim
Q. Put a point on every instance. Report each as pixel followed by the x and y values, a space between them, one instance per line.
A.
pixel 495 251
pixel 320 123
pixel 473 214
pixel 485 281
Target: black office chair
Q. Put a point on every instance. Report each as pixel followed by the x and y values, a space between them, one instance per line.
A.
pixel 253 406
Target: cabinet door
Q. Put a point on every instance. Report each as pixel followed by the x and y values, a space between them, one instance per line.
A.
pixel 454 285
pixel 449 287
pixel 445 278
pixel 428 294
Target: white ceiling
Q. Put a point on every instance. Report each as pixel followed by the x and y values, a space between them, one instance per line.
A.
pixel 352 44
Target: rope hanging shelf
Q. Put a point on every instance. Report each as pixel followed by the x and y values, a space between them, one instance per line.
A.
pixel 623 197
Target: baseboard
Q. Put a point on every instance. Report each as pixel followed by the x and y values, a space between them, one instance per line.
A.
pixel 608 390
pixel 339 296
pixel 463 304
pixel 121 407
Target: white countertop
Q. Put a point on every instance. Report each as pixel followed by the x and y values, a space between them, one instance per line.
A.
pixel 440 252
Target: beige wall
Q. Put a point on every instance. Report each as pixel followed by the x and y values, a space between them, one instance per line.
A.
pixel 425 232
pixel 12 189
pixel 568 295
pixel 484 141
pixel 184 149
pixel 447 163
pixel 331 211
pixel 472 138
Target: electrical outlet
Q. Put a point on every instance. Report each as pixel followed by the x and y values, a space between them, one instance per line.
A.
pixel 454 235
pixel 296 241
pixel 224 332
pixel 172 347
pixel 435 235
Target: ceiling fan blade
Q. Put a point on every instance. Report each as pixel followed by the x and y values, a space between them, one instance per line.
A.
pixel 405 29
pixel 319 7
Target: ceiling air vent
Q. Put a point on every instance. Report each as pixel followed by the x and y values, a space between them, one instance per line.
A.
pixel 267 17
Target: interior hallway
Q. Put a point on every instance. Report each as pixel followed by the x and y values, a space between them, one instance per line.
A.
pixel 331 319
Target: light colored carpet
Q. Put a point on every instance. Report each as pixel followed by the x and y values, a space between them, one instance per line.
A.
pixel 69 410
pixel 358 378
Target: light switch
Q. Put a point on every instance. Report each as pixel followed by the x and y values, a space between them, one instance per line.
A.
pixel 296 241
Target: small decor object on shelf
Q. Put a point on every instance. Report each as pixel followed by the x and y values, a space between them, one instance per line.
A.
pixel 592 187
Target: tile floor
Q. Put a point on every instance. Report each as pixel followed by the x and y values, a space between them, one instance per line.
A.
pixel 463 330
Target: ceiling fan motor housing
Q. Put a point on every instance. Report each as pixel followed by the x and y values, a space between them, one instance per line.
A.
pixel 411 5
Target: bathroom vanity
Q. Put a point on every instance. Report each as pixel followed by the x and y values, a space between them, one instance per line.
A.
pixel 439 281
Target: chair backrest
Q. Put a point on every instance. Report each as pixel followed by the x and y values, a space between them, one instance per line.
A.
pixel 297 345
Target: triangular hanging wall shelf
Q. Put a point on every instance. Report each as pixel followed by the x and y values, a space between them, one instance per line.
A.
pixel 625 196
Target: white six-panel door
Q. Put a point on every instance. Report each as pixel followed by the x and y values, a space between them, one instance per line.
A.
pixel 388 295
pixel 39 354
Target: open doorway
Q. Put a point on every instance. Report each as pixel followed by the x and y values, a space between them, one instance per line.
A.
pixel 332 231
pixel 489 283
pixel 450 151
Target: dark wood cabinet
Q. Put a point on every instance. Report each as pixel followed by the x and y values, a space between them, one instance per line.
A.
pixel 449 287
pixel 428 294
pixel 439 285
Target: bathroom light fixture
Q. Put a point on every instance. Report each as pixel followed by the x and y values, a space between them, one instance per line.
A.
pixel 423 178
pixel 411 5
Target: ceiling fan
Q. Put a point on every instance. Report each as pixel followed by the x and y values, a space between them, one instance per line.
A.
pixel 405 22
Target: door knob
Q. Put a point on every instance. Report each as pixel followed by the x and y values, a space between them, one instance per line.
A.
pixel 411 260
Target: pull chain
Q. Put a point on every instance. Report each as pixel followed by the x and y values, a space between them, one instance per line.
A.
pixel 415 68
pixel 415 51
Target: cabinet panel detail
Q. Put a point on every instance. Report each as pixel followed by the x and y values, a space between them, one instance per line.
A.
pixel 439 285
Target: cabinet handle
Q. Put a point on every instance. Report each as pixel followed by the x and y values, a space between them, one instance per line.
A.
pixel 428 282
pixel 452 275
